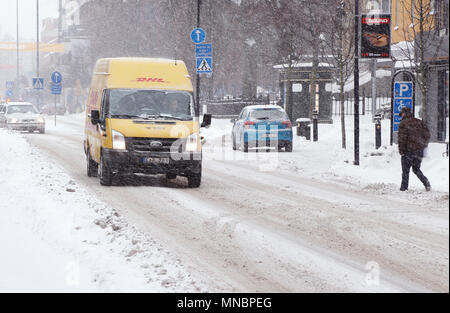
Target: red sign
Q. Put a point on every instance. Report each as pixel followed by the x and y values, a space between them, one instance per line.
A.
pixel 375 20
pixel 150 79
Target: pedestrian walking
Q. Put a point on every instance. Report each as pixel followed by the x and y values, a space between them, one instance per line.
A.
pixel 413 139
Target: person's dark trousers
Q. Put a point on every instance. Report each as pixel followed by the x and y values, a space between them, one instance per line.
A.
pixel 414 160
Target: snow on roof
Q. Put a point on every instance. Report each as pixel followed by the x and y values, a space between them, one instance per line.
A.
pixel 305 64
pixel 404 64
pixel 364 78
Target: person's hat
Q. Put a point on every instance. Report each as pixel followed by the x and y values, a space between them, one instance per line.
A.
pixel 405 110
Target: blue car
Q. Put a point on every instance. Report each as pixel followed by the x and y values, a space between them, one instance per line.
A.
pixel 262 126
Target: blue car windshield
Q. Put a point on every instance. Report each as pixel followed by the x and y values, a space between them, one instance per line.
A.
pixel 268 114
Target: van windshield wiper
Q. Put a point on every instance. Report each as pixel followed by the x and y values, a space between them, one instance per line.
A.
pixel 165 116
pixel 124 116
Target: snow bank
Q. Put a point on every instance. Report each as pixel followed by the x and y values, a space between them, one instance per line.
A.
pixel 56 237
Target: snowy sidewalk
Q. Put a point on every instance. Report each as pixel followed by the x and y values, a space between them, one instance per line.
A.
pixel 56 237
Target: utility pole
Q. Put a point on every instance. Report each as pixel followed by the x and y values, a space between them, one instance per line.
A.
pixel 37 50
pixel 197 105
pixel 60 21
pixel 18 60
pixel 356 84
pixel 374 88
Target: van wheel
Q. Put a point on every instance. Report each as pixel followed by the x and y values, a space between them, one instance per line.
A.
pixel 194 180
pixel 92 166
pixel 104 173
pixel 234 143
pixel 42 131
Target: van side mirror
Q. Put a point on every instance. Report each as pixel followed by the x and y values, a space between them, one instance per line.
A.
pixel 95 117
pixel 206 120
pixel 233 120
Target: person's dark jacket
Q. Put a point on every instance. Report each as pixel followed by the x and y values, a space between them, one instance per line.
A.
pixel 413 134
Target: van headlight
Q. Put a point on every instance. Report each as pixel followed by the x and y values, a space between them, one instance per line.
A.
pixel 12 120
pixel 118 140
pixel 192 142
pixel 41 120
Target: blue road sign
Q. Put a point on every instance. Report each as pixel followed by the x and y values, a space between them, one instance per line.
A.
pixel 38 83
pixel 203 50
pixel 9 85
pixel 56 89
pixel 56 78
pixel 9 89
pixel 403 97
pixel 198 35
pixel 403 90
pixel 204 65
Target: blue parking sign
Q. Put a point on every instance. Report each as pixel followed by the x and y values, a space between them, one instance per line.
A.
pixel 399 104
pixel 403 97
pixel 403 89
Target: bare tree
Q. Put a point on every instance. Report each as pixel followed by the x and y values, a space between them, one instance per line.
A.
pixel 314 16
pixel 340 46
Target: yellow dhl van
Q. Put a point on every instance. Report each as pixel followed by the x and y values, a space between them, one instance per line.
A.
pixel 141 118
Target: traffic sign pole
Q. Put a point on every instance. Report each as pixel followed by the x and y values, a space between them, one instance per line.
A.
pixel 56 86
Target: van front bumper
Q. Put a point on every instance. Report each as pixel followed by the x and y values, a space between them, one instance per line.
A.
pixel 125 162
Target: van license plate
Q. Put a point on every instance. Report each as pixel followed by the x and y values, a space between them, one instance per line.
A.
pixel 148 160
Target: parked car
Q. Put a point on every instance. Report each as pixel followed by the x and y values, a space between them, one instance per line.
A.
pixel 262 125
pixel 21 116
pixel 49 109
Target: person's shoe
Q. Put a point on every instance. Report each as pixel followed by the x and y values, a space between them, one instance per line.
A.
pixel 403 189
pixel 428 188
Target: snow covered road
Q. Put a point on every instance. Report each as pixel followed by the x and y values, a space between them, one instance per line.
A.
pixel 254 229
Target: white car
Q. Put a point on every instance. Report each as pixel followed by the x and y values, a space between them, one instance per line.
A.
pixel 22 116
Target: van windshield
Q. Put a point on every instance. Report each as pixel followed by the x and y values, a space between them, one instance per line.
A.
pixel 151 104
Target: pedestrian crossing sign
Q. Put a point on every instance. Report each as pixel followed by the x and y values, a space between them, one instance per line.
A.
pixel 204 65
pixel 38 83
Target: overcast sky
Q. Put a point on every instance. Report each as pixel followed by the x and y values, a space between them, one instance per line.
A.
pixel 27 17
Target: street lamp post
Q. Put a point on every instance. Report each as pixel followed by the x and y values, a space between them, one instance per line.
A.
pixel 356 84
pixel 18 60
pixel 197 106
pixel 37 50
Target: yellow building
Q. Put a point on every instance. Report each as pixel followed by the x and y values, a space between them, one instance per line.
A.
pixel 407 13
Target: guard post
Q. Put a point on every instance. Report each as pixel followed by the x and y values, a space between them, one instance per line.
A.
pixel 315 116
pixel 377 119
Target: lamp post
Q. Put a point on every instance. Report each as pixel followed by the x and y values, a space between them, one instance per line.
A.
pixel 18 60
pixel 197 106
pixel 37 50
pixel 356 85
